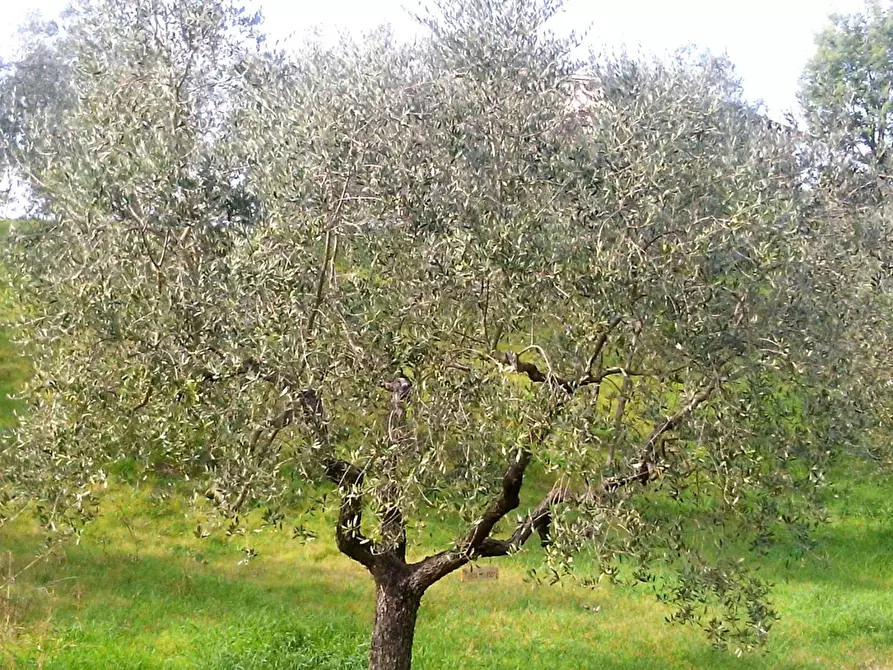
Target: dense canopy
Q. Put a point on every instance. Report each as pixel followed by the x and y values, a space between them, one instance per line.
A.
pixel 427 272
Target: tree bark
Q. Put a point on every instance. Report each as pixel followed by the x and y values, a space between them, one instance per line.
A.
pixel 395 618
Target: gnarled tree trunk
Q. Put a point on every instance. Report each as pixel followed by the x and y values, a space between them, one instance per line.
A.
pixel 395 618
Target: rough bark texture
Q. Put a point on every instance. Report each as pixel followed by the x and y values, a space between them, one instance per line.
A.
pixel 395 617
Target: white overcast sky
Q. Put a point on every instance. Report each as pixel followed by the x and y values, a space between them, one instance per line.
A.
pixel 768 40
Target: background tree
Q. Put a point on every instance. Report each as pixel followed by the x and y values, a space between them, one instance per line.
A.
pixel 847 87
pixel 847 97
pixel 34 87
pixel 469 262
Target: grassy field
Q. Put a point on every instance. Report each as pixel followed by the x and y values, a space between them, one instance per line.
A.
pixel 142 591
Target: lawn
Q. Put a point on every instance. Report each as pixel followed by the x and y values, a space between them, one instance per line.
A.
pixel 141 590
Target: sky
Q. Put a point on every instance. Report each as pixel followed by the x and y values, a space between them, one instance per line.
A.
pixel 768 40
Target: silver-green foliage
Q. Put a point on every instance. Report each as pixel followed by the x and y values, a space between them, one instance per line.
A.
pixel 418 269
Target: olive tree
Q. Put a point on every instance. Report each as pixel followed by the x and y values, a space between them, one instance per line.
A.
pixel 34 87
pixel 428 273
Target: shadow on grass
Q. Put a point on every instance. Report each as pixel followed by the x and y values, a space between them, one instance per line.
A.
pixel 155 599
pixel 112 610
pixel 853 552
pixel 846 556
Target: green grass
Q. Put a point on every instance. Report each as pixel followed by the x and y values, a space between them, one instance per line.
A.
pixel 141 591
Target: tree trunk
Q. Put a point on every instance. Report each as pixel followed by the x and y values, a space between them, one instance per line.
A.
pixel 395 617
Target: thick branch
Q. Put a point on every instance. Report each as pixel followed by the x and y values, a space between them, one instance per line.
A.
pixel 477 541
pixel 539 519
pixel 349 480
pixel 436 567
pixel 507 501
pixel 393 526
pixel 348 536
pixel 479 544
pixel 536 375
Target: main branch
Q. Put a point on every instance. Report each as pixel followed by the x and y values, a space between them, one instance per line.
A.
pixel 349 480
pixel 348 536
pixel 477 542
pixel 534 374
